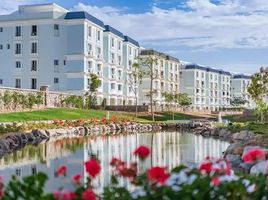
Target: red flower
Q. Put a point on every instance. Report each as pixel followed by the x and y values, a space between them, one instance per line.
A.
pixel 93 167
pixel 67 195
pixel 62 170
pixel 88 194
pixel 142 152
pixel 1 193
pixel 215 181
pixel 115 162
pixel 254 154
pixel 76 178
pixel 158 174
pixel 104 120
pixel 205 167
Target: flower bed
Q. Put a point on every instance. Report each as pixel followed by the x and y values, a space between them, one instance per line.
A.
pixel 213 179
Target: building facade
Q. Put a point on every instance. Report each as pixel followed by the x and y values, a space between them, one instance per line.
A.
pixel 165 71
pixel 239 86
pixel 209 88
pixel 48 45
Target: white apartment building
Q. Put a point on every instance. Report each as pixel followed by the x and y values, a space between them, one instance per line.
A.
pixel 239 86
pixel 209 88
pixel 166 77
pixel 48 45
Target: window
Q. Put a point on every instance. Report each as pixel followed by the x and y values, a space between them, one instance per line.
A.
pixel 98 35
pixel 34 47
pixel 1 81
pixel 1 29
pixel 112 86
pixel 34 65
pixel 17 83
pixel 89 47
pixel 1 46
pixel 56 62
pixel 18 48
pixel 56 30
pixel 8 46
pixel 34 30
pixel 33 83
pixel 197 74
pixel 64 62
pixel 56 80
pixel 89 31
pixel 18 31
pixel 119 87
pixel 56 83
pixel 129 50
pixel 112 42
pixel 119 45
pixel 18 64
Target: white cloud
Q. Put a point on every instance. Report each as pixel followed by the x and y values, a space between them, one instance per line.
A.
pixel 230 24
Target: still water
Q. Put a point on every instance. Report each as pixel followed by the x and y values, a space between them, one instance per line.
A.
pixel 168 149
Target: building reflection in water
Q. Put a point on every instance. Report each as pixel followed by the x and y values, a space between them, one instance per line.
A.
pixel 167 149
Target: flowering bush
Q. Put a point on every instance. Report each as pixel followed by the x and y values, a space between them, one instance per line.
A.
pixel 212 179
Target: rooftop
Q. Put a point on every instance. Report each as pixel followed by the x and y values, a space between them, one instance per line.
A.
pixel 84 15
pixel 114 31
pixel 132 41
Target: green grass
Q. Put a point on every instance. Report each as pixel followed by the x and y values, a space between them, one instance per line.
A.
pixel 68 113
pixel 50 114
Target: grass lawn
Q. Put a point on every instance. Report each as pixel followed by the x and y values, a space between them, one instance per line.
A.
pixel 50 114
pixel 68 113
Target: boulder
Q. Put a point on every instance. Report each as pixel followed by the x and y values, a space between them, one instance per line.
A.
pixel 235 149
pixel 245 167
pixel 243 135
pixel 223 132
pixel 235 160
pixel 259 168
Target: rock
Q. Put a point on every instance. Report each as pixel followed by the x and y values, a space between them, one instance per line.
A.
pixel 214 132
pixel 235 160
pixel 235 149
pixel 243 135
pixel 245 167
pixel 259 168
pixel 223 132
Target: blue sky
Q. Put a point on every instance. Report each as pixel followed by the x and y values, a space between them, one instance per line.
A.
pixel 226 34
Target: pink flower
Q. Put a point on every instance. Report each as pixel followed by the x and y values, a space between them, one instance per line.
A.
pixel 158 174
pixel 62 170
pixel 88 194
pixel 253 155
pixel 215 181
pixel 93 167
pixel 142 152
pixel 76 178
pixel 56 195
pixel 67 195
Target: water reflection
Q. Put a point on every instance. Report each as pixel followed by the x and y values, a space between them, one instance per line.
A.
pixel 168 149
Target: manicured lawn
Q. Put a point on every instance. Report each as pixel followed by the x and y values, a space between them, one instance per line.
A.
pixel 50 114
pixel 68 113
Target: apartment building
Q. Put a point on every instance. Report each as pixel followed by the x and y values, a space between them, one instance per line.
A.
pixel 48 45
pixel 209 88
pixel 239 89
pixel 166 77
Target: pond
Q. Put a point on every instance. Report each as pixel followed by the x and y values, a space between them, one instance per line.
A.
pixel 169 149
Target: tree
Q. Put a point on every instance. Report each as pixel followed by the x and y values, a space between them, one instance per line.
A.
pixel 95 83
pixel 259 91
pixel 183 100
pixel 169 98
pixel 133 80
pixel 148 62
pixel 238 101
